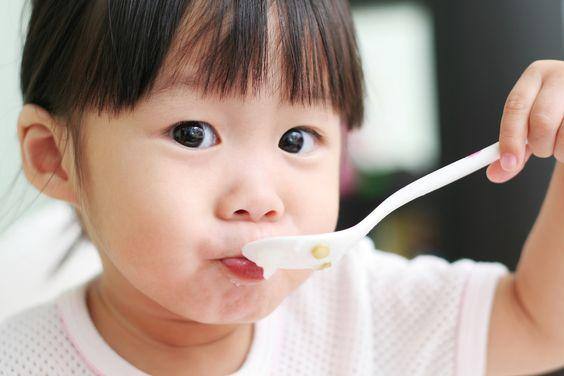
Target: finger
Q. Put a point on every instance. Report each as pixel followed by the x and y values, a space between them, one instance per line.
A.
pixel 546 117
pixel 515 119
pixel 496 174
pixel 559 146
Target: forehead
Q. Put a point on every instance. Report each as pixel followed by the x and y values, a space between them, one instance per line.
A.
pixel 187 92
pixel 223 51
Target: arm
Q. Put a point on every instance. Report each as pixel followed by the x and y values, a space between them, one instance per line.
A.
pixel 527 323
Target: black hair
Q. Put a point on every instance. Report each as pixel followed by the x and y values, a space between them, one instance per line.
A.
pixel 102 55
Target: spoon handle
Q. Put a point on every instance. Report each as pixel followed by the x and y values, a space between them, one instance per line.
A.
pixel 429 183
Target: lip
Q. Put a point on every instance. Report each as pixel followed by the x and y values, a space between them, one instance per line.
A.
pixel 239 242
pixel 243 269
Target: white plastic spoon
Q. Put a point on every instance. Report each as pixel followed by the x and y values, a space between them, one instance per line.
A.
pixel 319 251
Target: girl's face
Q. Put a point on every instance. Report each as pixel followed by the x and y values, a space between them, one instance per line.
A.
pixel 183 181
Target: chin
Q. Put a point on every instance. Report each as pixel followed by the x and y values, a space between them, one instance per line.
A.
pixel 251 307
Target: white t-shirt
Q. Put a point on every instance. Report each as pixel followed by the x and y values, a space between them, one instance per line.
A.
pixel 372 313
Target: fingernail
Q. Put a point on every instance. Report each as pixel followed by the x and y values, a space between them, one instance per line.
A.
pixel 508 162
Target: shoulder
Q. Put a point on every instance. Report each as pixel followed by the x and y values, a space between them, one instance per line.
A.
pixel 432 303
pixel 423 271
pixel 395 306
pixel 425 288
pixel 366 271
pixel 34 341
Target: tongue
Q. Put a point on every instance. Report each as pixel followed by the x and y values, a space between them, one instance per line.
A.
pixel 244 267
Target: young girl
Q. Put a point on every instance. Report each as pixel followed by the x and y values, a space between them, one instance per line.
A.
pixel 180 131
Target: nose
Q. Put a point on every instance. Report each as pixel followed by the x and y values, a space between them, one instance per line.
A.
pixel 251 196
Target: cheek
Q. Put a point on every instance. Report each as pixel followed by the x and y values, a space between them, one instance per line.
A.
pixel 151 231
pixel 147 216
pixel 315 198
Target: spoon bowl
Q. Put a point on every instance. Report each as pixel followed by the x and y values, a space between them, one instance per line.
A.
pixel 320 251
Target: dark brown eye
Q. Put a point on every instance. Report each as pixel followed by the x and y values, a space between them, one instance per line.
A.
pixel 193 134
pixel 297 139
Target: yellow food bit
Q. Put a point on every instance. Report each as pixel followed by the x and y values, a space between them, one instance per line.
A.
pixel 320 251
pixel 324 266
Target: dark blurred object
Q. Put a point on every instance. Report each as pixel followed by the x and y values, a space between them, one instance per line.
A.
pixel 409 231
pixel 483 46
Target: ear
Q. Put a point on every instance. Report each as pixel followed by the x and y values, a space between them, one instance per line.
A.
pixel 46 156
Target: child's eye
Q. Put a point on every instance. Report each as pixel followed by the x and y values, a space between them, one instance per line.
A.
pixel 193 133
pixel 294 141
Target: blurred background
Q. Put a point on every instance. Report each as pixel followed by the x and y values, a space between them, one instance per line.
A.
pixel 437 74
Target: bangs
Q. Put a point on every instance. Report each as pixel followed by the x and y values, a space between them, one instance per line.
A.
pixel 114 53
pixel 236 47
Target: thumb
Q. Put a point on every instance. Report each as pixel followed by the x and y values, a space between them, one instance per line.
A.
pixel 496 174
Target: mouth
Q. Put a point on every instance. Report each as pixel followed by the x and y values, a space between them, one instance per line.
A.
pixel 239 269
pixel 242 268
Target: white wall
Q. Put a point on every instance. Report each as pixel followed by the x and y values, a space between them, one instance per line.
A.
pixel 11 40
pixel 401 128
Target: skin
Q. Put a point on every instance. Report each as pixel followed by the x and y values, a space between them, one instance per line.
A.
pixel 162 215
pixel 526 332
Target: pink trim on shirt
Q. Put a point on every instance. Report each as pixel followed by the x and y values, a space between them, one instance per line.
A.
pixel 75 344
pixel 475 313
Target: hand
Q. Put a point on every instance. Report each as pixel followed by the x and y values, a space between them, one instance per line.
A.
pixel 532 121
